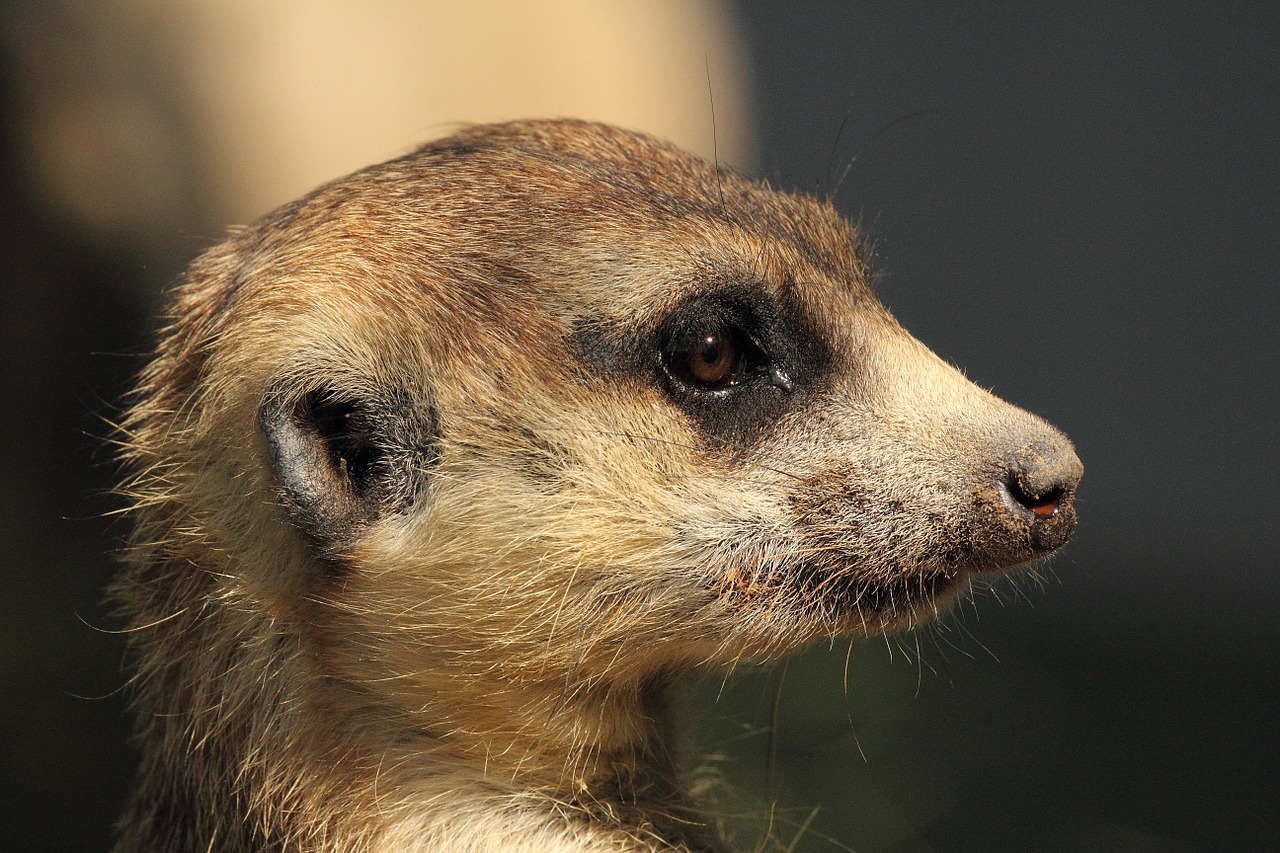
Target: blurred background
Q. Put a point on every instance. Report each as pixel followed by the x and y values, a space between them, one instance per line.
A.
pixel 1080 206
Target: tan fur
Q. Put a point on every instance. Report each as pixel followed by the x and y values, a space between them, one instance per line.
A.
pixel 482 666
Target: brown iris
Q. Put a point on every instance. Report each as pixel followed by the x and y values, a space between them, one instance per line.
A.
pixel 711 361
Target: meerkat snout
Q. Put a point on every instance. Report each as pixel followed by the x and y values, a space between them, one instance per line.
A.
pixel 444 471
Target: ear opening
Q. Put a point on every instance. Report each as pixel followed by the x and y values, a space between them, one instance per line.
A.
pixel 347 432
pixel 342 461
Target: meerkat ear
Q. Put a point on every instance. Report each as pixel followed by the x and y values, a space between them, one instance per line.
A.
pixel 344 461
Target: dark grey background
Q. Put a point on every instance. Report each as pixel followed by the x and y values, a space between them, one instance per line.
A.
pixel 1081 209
pixel 1078 206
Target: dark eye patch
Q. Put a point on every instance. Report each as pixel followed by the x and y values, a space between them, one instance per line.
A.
pixel 733 359
pixel 744 328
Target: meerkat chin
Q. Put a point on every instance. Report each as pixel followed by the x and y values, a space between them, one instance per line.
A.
pixel 442 472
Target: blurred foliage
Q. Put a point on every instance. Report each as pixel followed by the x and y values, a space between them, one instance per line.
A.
pixel 1027 727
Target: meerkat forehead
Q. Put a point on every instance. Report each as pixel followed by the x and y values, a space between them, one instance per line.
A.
pixel 532 247
pixel 578 218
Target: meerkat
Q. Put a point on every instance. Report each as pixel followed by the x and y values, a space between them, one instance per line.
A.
pixel 442 473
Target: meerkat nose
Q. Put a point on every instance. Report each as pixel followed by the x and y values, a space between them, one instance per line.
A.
pixel 1039 488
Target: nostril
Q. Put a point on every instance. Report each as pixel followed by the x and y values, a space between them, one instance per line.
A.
pixel 1036 492
pixel 1043 505
pixel 1039 482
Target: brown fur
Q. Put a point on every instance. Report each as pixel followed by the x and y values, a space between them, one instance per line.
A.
pixel 425 525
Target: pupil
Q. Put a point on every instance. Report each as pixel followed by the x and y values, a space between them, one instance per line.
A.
pixel 712 361
pixel 712 358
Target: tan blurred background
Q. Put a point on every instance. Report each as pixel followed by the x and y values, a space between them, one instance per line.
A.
pixel 134 115
pixel 1076 204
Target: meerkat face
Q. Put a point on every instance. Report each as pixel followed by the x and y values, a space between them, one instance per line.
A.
pixel 557 397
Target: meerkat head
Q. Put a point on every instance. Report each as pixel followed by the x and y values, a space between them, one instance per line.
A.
pixel 558 404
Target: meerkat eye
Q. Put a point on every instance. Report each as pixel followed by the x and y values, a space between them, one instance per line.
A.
pixel 713 357
pixel 710 361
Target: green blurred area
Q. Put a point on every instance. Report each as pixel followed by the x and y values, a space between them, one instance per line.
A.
pixel 1004 728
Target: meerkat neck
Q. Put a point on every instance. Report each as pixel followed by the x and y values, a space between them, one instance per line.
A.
pixel 269 749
